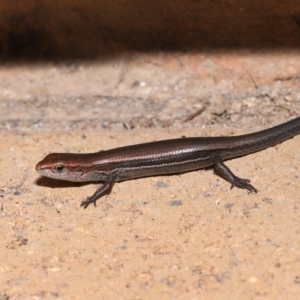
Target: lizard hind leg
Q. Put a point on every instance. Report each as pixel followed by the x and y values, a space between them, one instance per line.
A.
pixel 229 176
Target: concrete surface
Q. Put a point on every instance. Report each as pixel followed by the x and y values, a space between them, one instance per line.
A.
pixel 170 237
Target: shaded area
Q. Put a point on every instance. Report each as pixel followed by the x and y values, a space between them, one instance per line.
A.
pixel 55 183
pixel 94 29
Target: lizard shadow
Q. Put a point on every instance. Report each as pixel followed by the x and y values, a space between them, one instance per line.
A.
pixel 56 183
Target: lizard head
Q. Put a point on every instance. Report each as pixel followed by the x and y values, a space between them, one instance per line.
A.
pixel 64 166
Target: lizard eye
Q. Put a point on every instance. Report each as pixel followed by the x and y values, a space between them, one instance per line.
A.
pixel 59 168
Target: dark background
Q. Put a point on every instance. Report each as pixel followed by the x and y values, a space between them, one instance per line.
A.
pixel 93 29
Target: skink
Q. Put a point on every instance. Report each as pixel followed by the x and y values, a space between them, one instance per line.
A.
pixel 162 157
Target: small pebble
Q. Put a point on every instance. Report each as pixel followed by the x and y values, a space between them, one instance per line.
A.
pixel 175 203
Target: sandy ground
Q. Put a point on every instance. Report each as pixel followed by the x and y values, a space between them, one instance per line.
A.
pixel 185 236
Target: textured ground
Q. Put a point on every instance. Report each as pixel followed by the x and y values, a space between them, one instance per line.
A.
pixel 187 236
